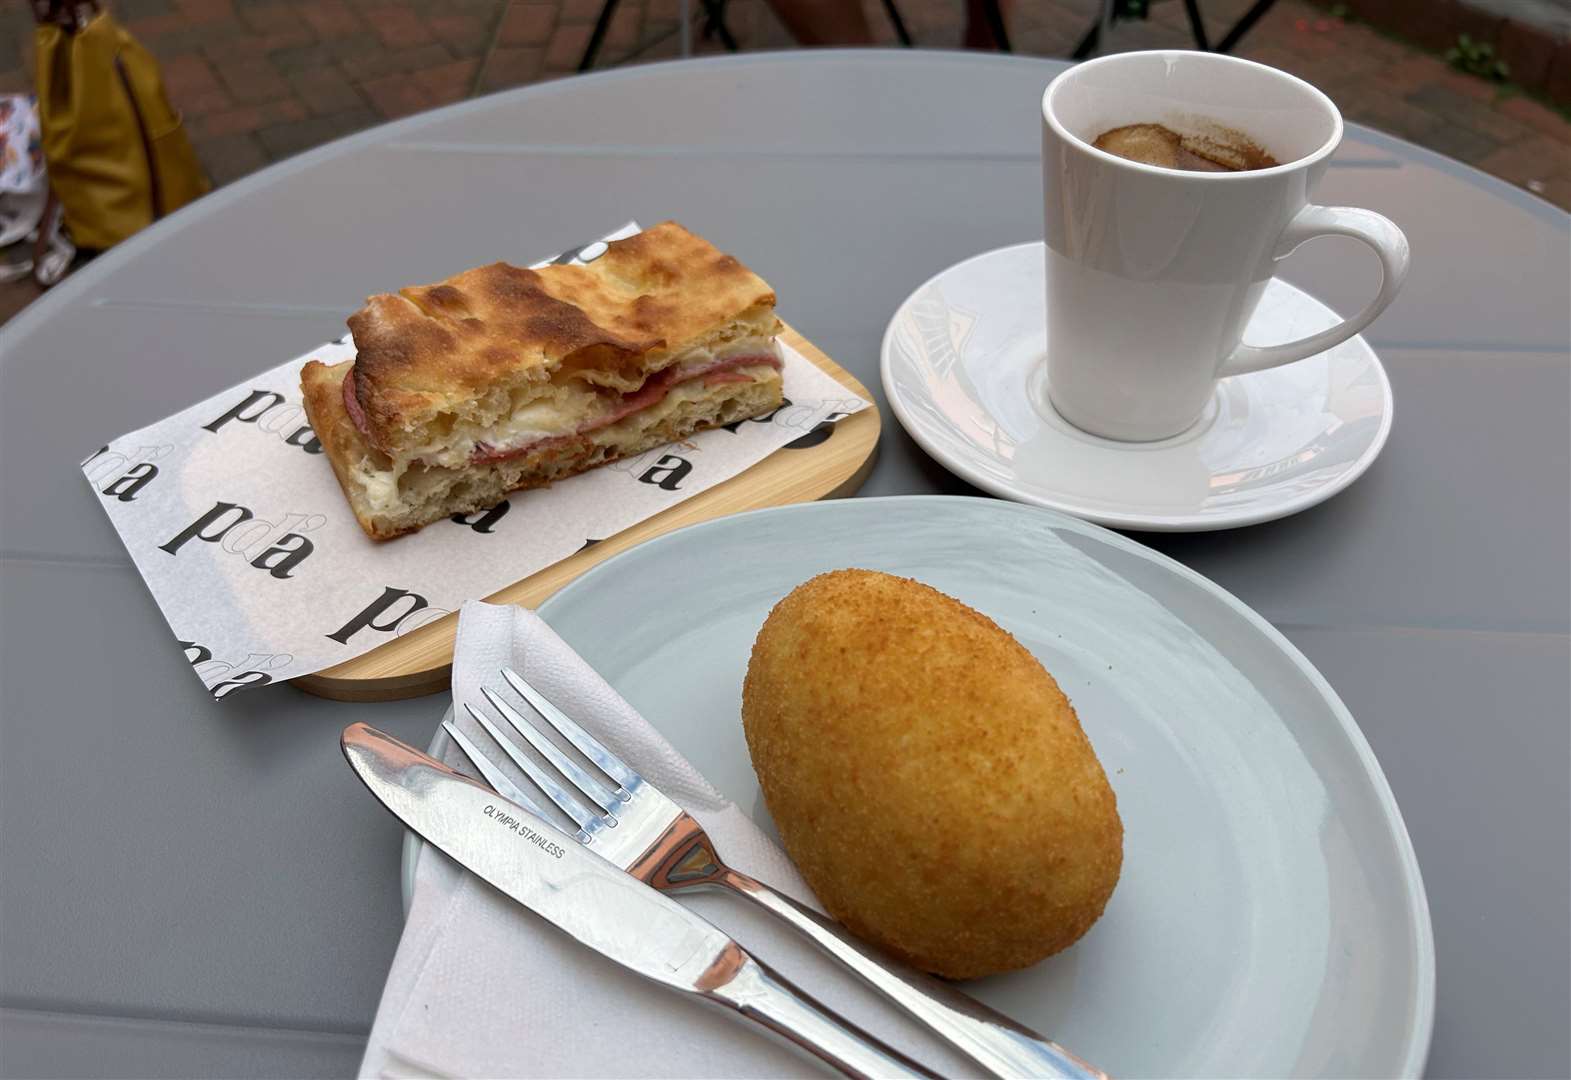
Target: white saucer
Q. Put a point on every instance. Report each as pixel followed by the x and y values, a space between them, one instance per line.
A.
pixel 963 367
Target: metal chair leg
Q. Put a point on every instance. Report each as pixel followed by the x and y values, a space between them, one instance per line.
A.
pixel 1088 43
pixel 1196 26
pixel 1241 28
pixel 899 24
pixel 995 23
pixel 597 37
pixel 714 23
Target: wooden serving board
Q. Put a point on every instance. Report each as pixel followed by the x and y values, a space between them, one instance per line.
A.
pixel 421 661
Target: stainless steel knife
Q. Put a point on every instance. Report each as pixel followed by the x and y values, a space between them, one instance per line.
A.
pixel 613 913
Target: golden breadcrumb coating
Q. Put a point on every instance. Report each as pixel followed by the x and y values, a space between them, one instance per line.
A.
pixel 928 776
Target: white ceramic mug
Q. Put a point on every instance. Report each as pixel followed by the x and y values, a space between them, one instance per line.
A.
pixel 1153 273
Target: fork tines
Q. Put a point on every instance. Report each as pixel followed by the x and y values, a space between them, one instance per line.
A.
pixel 602 800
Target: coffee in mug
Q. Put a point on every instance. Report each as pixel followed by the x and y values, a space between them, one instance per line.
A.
pixel 1154 269
pixel 1213 148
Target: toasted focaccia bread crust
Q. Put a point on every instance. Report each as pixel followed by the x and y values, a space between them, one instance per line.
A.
pixel 488 339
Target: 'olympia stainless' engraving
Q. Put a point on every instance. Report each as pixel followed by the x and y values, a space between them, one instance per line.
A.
pixel 502 817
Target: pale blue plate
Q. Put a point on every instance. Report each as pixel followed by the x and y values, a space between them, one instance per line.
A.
pixel 1270 920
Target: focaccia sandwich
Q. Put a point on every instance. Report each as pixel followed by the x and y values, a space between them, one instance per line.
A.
pixel 503 378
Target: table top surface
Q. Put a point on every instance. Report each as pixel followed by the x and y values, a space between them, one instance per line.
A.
pixel 201 887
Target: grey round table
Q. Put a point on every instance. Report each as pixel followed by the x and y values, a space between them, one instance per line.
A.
pixel 192 887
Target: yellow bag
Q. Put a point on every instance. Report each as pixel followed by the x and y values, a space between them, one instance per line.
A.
pixel 118 158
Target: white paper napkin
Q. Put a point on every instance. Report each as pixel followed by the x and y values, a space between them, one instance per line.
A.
pixel 483 987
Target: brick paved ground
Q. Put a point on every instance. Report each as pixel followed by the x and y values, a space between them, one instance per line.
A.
pixel 258 80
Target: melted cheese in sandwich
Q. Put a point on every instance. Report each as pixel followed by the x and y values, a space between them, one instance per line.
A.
pixel 566 409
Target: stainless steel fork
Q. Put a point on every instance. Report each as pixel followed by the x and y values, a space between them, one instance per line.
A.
pixel 632 825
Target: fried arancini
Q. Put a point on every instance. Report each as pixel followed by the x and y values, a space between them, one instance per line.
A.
pixel 928 777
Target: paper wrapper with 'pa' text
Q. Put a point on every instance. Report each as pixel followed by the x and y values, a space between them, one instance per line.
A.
pixel 232 515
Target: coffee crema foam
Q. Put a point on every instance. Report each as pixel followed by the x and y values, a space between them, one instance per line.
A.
pixel 1221 149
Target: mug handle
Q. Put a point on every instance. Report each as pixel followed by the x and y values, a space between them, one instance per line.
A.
pixel 1379 233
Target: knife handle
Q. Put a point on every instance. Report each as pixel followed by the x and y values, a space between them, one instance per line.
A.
pixel 765 996
pixel 998 1044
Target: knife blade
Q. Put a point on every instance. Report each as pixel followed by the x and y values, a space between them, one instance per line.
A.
pixel 613 913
